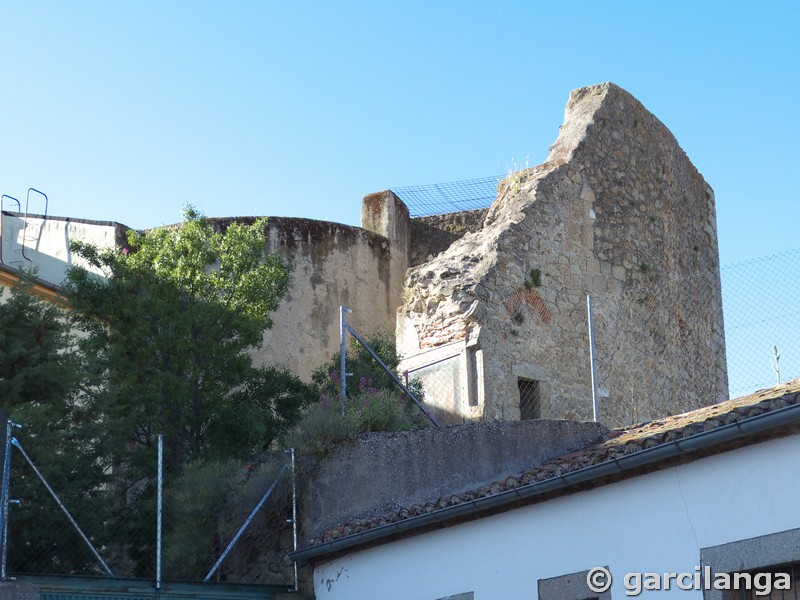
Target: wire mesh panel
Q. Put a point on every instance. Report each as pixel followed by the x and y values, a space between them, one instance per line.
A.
pixel 659 345
pixel 444 392
pixel 762 321
pixel 204 507
pixel 454 196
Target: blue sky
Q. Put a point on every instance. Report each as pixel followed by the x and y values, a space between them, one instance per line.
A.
pixel 126 110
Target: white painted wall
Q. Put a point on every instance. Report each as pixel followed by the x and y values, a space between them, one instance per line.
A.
pixel 656 522
pixel 46 243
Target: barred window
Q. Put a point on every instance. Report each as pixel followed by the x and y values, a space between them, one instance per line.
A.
pixel 530 404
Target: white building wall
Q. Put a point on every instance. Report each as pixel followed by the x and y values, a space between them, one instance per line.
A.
pixel 651 523
pixel 43 243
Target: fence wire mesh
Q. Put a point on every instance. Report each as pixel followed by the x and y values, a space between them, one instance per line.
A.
pixel 660 347
pixel 679 328
pixel 454 196
pixel 203 508
pixel 761 299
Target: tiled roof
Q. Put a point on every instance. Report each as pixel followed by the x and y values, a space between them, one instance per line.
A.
pixel 619 442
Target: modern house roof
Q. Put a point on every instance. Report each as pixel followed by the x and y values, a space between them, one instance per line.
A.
pixel 626 452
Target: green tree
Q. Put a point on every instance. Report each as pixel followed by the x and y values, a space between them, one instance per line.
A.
pixel 40 381
pixel 168 330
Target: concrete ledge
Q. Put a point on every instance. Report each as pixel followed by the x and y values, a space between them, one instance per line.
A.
pixel 15 590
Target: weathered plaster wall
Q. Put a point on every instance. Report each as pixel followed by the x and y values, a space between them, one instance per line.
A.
pixel 333 264
pixel 434 234
pixel 617 211
pixel 379 471
pixel 43 242
pixel 385 214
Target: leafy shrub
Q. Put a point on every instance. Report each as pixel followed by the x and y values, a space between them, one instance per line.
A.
pixel 328 421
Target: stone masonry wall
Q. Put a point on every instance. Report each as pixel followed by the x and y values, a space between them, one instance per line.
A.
pixel 434 234
pixel 618 212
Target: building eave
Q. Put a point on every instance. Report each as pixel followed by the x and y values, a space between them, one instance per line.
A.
pixel 725 437
pixel 10 277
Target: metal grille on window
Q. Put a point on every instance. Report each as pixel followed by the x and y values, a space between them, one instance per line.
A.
pixel 759 592
pixel 530 405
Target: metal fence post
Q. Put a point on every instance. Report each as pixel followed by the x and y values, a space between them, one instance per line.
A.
pixel 595 406
pixel 294 517
pixel 159 507
pixel 343 354
pixel 4 499
pixel 246 523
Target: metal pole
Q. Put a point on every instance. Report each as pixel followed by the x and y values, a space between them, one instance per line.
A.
pixel 595 406
pixel 343 354
pixel 159 507
pixel 294 517
pixel 245 524
pixel 4 500
pixel 63 508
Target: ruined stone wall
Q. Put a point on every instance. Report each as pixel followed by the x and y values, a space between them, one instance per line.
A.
pixel 618 212
pixel 333 264
pixel 434 234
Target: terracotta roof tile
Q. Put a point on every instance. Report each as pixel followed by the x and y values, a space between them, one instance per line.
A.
pixel 618 442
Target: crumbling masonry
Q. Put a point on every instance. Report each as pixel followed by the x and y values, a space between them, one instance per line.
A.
pixel 617 212
pixel 493 302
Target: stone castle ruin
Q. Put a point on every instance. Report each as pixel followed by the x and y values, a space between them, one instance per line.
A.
pixel 493 302
pixel 618 212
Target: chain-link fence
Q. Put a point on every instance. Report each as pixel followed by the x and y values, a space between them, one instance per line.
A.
pixel 62 521
pixel 761 298
pixel 661 347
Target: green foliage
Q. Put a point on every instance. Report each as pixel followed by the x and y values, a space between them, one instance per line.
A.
pixel 374 402
pixel 169 331
pixel 35 366
pixel 365 372
pixel 194 504
pixel 325 423
pixel 40 388
pixel 535 279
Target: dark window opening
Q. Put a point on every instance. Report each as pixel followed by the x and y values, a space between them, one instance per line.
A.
pixel 762 588
pixel 472 377
pixel 530 404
